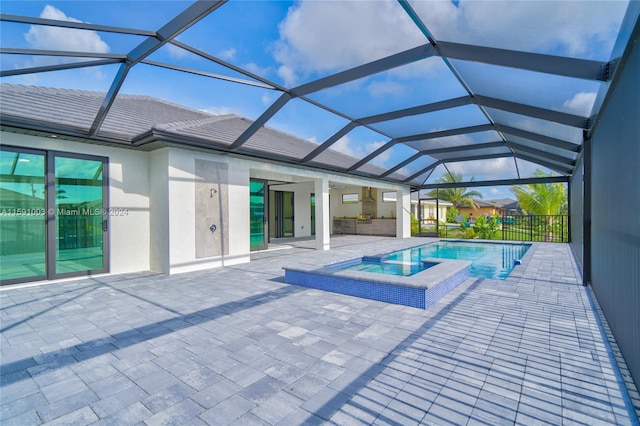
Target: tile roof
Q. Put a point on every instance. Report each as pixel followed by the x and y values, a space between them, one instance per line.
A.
pixel 132 116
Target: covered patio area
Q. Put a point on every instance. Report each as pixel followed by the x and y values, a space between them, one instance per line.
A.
pixel 236 345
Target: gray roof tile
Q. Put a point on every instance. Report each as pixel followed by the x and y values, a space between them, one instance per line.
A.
pixel 133 115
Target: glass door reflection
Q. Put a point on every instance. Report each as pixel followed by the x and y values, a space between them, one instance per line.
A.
pixel 257 216
pixel 79 215
pixel 23 211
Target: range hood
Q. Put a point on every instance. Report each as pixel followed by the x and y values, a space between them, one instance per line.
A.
pixel 369 204
pixel 367 196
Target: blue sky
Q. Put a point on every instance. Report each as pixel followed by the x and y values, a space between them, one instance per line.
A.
pixel 291 43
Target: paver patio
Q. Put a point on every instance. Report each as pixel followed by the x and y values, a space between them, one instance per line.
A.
pixel 236 345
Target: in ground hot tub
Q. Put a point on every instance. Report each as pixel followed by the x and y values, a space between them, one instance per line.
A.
pixel 417 284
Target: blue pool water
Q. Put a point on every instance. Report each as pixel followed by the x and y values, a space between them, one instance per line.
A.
pixel 488 260
pixel 384 266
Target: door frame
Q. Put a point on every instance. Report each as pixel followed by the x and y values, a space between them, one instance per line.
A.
pixel 51 219
pixel 265 215
pixel 312 204
pixel 279 208
pixel 50 210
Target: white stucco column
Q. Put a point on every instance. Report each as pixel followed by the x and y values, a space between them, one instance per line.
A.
pixel 159 212
pixel 321 189
pixel 403 213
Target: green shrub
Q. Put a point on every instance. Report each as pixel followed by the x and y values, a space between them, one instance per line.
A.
pixel 415 225
pixel 442 229
pixel 486 228
pixel 465 231
pixel 452 215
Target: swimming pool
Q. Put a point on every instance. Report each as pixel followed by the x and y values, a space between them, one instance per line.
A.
pixel 417 276
pixel 488 260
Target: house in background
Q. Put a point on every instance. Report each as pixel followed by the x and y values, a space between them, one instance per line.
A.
pixel 429 209
pixel 505 206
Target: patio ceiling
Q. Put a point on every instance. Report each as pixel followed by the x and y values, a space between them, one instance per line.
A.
pixel 492 90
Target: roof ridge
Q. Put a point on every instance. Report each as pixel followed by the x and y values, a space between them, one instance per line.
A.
pixel 96 93
pixel 184 124
pixel 46 89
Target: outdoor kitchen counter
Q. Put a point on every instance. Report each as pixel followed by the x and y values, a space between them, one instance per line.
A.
pixel 386 227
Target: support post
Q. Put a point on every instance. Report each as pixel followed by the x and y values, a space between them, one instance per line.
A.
pixel 403 213
pixel 322 214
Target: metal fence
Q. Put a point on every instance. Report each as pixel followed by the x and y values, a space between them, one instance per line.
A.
pixel 548 228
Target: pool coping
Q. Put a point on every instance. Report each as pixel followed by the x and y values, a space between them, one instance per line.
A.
pixel 420 290
pixel 426 279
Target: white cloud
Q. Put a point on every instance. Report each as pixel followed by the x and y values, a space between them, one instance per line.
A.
pixel 256 69
pixel 65 39
pixel 219 110
pixel 495 168
pixel 574 28
pixel 382 159
pixel 268 98
pixel 581 103
pixel 288 75
pixel 342 145
pixel 494 193
pixel 527 168
pixel 325 36
pixel 386 88
pixel 227 54
pixel 175 52
pixel 346 146
pixel 403 171
pixel 54 38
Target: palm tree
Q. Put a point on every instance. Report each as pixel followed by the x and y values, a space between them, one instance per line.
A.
pixel 542 198
pixel 460 197
pixel 547 199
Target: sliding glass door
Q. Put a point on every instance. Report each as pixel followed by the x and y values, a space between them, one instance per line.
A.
pixel 80 215
pixel 257 214
pixel 23 237
pixel 313 214
pixel 53 215
pixel 283 206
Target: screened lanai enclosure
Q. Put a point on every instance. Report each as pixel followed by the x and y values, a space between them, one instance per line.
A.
pixel 402 92
pixel 410 90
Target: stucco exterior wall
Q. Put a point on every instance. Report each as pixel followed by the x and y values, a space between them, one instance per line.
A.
pixel 182 212
pixel 158 190
pixel 129 190
pixel 490 211
pixel 159 210
pixel 339 209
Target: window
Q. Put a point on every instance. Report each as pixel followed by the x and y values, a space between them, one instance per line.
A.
pixel 389 197
pixel 349 198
